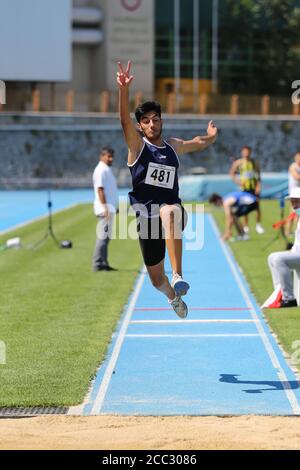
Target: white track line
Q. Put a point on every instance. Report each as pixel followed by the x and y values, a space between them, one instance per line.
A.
pixel 269 348
pixel 141 322
pixel 117 348
pixel 232 335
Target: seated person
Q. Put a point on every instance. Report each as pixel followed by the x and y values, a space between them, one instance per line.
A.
pixel 235 205
pixel 283 263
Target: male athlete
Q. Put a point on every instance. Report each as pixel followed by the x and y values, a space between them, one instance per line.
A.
pixel 249 180
pixel 153 164
pixel 235 205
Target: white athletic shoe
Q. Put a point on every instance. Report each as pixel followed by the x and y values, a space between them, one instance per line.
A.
pixel 259 229
pixel 179 285
pixel 246 229
pixel 179 306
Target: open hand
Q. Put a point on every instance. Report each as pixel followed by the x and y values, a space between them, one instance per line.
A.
pixel 226 236
pixel 123 76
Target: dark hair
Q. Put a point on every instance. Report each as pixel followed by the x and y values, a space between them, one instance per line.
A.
pixel 107 150
pixel 213 198
pixel 146 108
pixel 247 147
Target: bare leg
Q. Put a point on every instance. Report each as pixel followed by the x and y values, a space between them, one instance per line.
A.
pixel 238 226
pixel 160 280
pixel 258 214
pixel 171 220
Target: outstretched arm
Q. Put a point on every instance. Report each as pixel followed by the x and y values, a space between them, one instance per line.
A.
pixel 198 143
pixel 228 221
pixel 132 137
pixel 229 217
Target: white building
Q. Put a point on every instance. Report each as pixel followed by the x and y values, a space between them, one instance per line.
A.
pixel 57 45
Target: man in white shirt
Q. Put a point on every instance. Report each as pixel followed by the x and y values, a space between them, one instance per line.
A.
pixel 283 263
pixel 105 204
pixel 294 182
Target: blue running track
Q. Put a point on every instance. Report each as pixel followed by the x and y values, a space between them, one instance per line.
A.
pixel 21 207
pixel 221 360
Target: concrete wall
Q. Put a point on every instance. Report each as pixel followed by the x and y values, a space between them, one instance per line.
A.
pixel 62 146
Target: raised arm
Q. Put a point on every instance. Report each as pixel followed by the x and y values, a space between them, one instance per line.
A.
pixel 133 140
pixel 197 144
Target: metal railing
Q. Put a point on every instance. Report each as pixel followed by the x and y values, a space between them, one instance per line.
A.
pixel 107 102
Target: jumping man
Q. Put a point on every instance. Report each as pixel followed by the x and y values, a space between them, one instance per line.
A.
pixel 153 163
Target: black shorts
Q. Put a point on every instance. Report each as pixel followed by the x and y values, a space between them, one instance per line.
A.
pixel 252 191
pixel 152 238
pixel 245 209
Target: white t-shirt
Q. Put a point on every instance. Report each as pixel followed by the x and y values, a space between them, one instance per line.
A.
pixel 104 178
pixel 293 183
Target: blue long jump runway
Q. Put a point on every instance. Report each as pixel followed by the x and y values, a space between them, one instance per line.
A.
pixel 221 360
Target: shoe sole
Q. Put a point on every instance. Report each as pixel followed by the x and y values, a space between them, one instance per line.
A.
pixel 182 316
pixel 181 288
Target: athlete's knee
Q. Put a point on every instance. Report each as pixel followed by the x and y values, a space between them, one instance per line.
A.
pixel 171 217
pixel 171 213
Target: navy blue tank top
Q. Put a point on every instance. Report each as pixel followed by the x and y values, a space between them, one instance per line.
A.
pixel 155 177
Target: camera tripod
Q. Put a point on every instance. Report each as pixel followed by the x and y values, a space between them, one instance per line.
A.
pixel 49 231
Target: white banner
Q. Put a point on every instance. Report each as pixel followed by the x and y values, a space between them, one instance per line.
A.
pixel 130 36
pixel 35 40
pixel 2 92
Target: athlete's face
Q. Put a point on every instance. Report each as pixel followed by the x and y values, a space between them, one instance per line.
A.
pixel 151 126
pixel 245 153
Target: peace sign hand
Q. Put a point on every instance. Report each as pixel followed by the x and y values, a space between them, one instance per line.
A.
pixel 124 78
pixel 212 131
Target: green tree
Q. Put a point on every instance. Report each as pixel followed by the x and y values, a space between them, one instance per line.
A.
pixel 261 40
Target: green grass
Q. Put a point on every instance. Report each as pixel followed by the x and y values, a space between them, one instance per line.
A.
pixel 252 256
pixel 57 316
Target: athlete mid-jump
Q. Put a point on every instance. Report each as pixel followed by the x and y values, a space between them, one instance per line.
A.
pixel 153 163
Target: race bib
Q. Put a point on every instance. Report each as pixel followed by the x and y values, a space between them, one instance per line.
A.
pixel 248 175
pixel 160 175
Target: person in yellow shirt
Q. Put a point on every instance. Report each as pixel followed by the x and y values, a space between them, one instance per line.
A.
pixel 245 172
